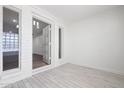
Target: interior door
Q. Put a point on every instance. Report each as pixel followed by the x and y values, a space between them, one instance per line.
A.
pixel 47 44
pixel 10 38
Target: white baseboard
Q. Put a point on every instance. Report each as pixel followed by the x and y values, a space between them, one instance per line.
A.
pixel 106 70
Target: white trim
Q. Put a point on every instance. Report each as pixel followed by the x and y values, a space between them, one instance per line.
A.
pixel 98 68
pixel 1 29
pixel 51 23
pixel 15 70
pixel 42 18
pixel 10 72
pixel 41 69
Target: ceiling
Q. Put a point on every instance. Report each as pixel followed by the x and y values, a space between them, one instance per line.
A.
pixel 72 13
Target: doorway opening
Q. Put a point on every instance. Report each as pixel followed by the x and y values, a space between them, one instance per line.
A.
pixel 41 43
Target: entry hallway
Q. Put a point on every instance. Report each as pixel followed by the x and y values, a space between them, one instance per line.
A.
pixel 72 76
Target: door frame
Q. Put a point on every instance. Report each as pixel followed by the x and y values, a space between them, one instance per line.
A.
pixel 1 31
pixel 48 21
pixel 15 70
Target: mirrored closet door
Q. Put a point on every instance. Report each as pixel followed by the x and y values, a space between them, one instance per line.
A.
pixel 10 39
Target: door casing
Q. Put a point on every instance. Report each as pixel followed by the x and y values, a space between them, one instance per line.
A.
pixel 15 70
pixel 46 20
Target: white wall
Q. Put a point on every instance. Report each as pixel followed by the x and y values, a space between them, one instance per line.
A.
pixel 38 44
pixel 98 41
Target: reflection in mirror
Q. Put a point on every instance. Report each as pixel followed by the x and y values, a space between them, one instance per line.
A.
pixel 60 43
pixel 10 39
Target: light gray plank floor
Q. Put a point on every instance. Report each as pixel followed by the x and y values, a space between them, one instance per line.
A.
pixel 71 76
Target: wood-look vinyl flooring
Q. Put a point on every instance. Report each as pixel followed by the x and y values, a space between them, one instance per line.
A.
pixel 71 76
